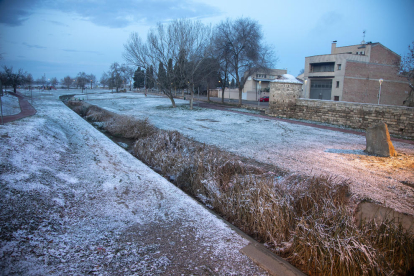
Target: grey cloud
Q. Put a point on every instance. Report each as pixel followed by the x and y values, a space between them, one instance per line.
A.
pixel 33 46
pixel 77 51
pixel 14 13
pixel 14 18
pixel 112 13
pixel 57 23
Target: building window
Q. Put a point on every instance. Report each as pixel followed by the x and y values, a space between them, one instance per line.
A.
pixel 339 66
pixel 337 84
pixel 322 67
pixel 336 98
pixel 260 76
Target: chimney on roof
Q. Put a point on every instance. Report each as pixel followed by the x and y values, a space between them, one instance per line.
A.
pixel 333 47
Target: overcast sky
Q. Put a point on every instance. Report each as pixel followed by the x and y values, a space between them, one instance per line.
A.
pixel 59 38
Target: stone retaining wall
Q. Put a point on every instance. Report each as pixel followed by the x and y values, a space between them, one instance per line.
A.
pixel 400 119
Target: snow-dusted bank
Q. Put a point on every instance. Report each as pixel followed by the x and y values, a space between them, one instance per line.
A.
pixel 75 203
pixel 294 147
pixel 10 105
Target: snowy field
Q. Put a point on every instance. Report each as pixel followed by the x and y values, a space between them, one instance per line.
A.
pixel 297 148
pixel 75 203
pixel 10 105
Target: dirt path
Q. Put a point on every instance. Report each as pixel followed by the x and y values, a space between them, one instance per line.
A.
pixel 26 109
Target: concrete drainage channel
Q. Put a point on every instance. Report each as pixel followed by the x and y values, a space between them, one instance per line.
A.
pixel 257 252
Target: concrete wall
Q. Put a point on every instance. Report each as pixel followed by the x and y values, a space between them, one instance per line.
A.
pixel 232 93
pixel 400 120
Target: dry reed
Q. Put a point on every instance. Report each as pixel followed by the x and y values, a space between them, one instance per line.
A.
pixel 304 219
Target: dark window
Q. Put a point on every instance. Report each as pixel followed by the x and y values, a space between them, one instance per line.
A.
pixel 339 66
pixel 336 98
pixel 337 84
pixel 323 67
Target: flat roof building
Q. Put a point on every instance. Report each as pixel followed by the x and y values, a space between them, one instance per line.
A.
pixel 353 74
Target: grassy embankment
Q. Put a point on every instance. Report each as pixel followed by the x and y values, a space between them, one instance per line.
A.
pixel 306 220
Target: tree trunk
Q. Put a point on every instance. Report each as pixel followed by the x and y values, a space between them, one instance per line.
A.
pixel 240 96
pixel 172 100
pixel 191 99
pixel 208 94
pixel 222 94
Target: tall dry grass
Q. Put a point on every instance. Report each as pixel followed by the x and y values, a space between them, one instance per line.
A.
pixel 307 220
pixel 115 124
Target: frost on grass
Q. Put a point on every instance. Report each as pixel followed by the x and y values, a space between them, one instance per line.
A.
pixel 300 217
pixel 303 149
pixel 10 105
pixel 75 203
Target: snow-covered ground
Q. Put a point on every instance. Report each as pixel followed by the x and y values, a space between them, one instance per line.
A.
pixel 10 105
pixel 294 147
pixel 74 203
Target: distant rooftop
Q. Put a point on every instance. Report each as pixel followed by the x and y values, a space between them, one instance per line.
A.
pixel 287 78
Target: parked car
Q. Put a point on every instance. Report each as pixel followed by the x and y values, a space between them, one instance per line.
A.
pixel 264 99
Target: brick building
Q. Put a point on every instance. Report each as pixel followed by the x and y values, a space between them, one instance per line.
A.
pixel 353 74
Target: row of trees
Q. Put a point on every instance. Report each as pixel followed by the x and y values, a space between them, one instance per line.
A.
pixel 14 79
pixel 188 54
pixel 80 81
pixel 117 75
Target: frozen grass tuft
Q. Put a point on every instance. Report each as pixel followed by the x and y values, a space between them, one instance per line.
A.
pixel 304 219
pixel 117 125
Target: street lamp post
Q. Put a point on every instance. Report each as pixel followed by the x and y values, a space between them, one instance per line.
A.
pixel 379 93
pixel 304 92
pixel 229 90
pixel 222 93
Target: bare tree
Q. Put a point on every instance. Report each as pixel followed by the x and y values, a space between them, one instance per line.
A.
pixel 194 41
pixel 13 79
pixel 241 40
pixel 128 75
pixel 91 79
pixel 104 79
pixel 82 80
pixel 29 81
pixel 67 81
pixel 54 81
pixel 182 41
pixel 41 81
pixel 116 75
pixel 407 70
pixel 221 51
